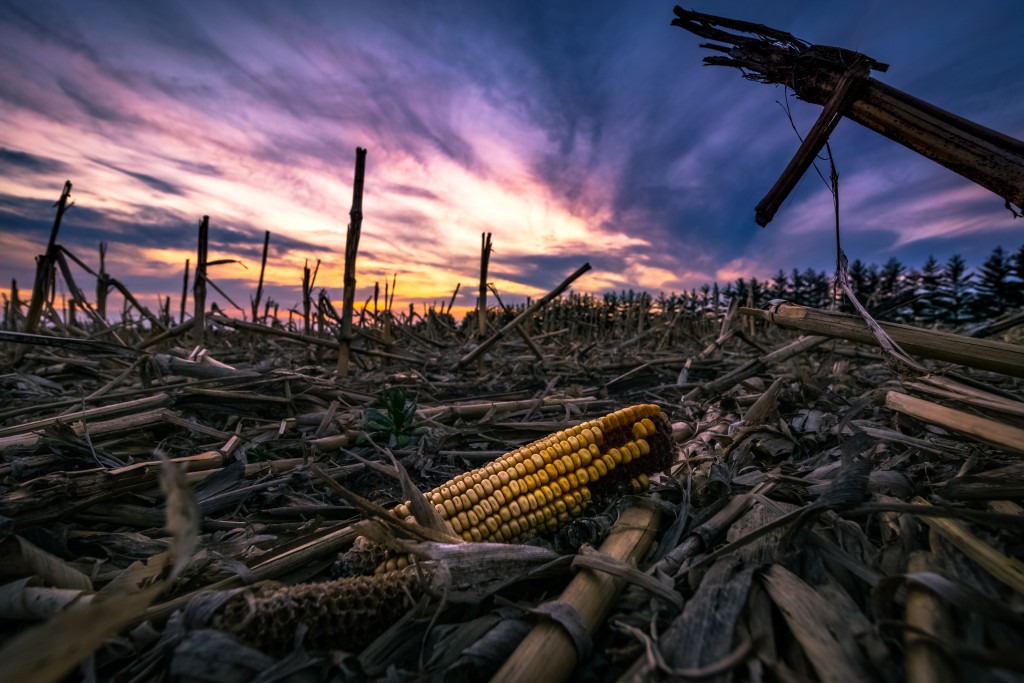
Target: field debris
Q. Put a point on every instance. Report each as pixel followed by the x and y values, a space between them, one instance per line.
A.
pixel 815 501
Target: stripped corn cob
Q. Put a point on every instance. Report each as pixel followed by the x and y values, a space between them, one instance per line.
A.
pixel 345 613
pixel 545 484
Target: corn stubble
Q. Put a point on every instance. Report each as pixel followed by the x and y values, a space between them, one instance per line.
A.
pixel 534 490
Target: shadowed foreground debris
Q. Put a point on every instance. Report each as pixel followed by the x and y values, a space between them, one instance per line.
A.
pixel 820 517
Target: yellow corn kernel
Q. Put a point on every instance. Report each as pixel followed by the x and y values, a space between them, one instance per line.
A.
pixel 475 536
pixel 542 477
pixel 449 507
pixel 501 497
pixel 643 446
pixel 576 460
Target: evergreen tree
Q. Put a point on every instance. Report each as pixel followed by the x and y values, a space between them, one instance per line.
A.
pixel 995 290
pixel 927 283
pixel 780 285
pixel 1018 272
pixel 892 274
pixel 858 273
pixel 816 283
pixel 756 292
pixel 858 276
pixel 954 291
pixel 716 298
pixel 728 294
pixel 872 286
pixel 740 292
pixel 798 288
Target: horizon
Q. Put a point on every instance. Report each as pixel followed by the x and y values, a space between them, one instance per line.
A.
pixel 589 133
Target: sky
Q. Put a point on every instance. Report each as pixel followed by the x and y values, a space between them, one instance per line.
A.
pixel 572 131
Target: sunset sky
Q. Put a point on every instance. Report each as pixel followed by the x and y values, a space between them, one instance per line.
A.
pixel 572 131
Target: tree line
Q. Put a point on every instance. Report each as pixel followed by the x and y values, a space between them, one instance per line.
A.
pixel 947 293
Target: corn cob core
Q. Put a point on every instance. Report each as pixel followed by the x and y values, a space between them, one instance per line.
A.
pixel 544 484
pixel 346 613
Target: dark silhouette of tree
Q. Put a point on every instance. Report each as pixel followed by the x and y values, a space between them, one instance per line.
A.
pixel 927 284
pixel 728 294
pixel 954 291
pixel 995 290
pixel 798 288
pixel 817 288
pixel 1018 272
pixel 780 285
pixel 892 274
pixel 757 297
pixel 740 292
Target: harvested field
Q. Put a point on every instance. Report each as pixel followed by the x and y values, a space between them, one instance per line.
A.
pixel 171 513
pixel 628 489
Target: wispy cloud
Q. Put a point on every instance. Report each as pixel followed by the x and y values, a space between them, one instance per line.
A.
pixel 573 132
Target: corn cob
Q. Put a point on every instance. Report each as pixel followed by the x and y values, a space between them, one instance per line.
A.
pixel 530 490
pixel 545 484
pixel 345 613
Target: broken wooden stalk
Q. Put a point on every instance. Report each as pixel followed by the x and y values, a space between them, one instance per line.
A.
pixel 351 250
pixel 1004 436
pixel 44 266
pixel 548 653
pixel 199 285
pixel 481 302
pixel 984 354
pixel 255 301
pixel 525 315
pixel 814 72
pixel 184 295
